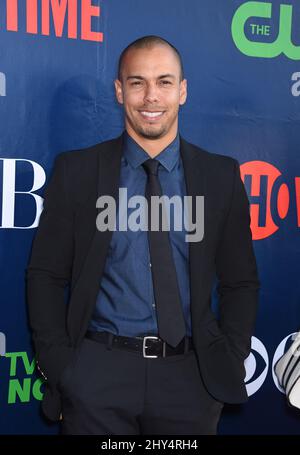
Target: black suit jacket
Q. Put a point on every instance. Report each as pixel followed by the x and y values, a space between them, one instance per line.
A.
pixel 69 251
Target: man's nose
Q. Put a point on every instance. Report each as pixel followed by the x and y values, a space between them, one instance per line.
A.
pixel 151 93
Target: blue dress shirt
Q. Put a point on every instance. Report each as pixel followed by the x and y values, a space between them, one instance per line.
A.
pixel 125 303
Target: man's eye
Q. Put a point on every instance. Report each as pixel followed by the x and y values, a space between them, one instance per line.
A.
pixel 166 82
pixel 136 83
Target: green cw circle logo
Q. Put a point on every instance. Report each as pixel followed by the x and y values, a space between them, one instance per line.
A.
pixel 283 43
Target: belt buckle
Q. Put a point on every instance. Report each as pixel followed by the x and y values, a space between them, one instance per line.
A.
pixel 144 347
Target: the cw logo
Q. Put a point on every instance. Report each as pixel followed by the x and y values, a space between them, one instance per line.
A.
pixel 269 197
pixel 34 176
pixel 253 48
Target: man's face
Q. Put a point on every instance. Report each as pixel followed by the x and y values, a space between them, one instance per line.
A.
pixel 151 91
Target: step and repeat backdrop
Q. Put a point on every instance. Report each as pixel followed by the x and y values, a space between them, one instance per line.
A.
pixel 242 63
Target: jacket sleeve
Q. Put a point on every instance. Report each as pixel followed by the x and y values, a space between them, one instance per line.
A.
pixel 236 268
pixel 47 276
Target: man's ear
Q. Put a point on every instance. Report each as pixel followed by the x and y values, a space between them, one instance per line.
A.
pixel 183 92
pixel 119 91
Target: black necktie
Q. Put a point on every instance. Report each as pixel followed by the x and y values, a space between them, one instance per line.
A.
pixel 170 319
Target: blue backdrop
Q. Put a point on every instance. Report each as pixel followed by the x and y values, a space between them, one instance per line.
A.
pixel 242 64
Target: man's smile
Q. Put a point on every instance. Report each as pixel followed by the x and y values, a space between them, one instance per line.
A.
pixel 151 115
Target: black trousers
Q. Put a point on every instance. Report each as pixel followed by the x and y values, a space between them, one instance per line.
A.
pixel 109 391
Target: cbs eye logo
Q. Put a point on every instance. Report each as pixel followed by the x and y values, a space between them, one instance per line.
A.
pixel 257 363
pixel 257 366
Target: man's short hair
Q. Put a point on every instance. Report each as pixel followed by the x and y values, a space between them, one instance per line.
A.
pixel 149 41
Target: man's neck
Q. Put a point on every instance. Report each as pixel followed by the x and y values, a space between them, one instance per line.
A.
pixel 152 146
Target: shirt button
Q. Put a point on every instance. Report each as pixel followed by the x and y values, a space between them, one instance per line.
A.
pixel 153 304
pixel 150 264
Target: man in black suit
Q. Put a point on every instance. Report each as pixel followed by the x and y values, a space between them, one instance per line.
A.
pixel 136 348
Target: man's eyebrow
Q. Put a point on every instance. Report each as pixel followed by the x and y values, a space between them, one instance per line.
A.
pixel 142 78
pixel 167 75
pixel 134 77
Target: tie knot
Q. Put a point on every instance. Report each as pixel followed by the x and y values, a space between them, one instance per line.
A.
pixel 151 166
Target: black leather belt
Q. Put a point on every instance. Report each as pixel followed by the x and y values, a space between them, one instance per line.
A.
pixel 150 346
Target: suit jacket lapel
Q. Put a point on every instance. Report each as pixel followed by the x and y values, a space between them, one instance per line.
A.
pixel 195 177
pixel 87 286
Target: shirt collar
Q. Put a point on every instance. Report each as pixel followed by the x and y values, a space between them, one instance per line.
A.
pixel 136 155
